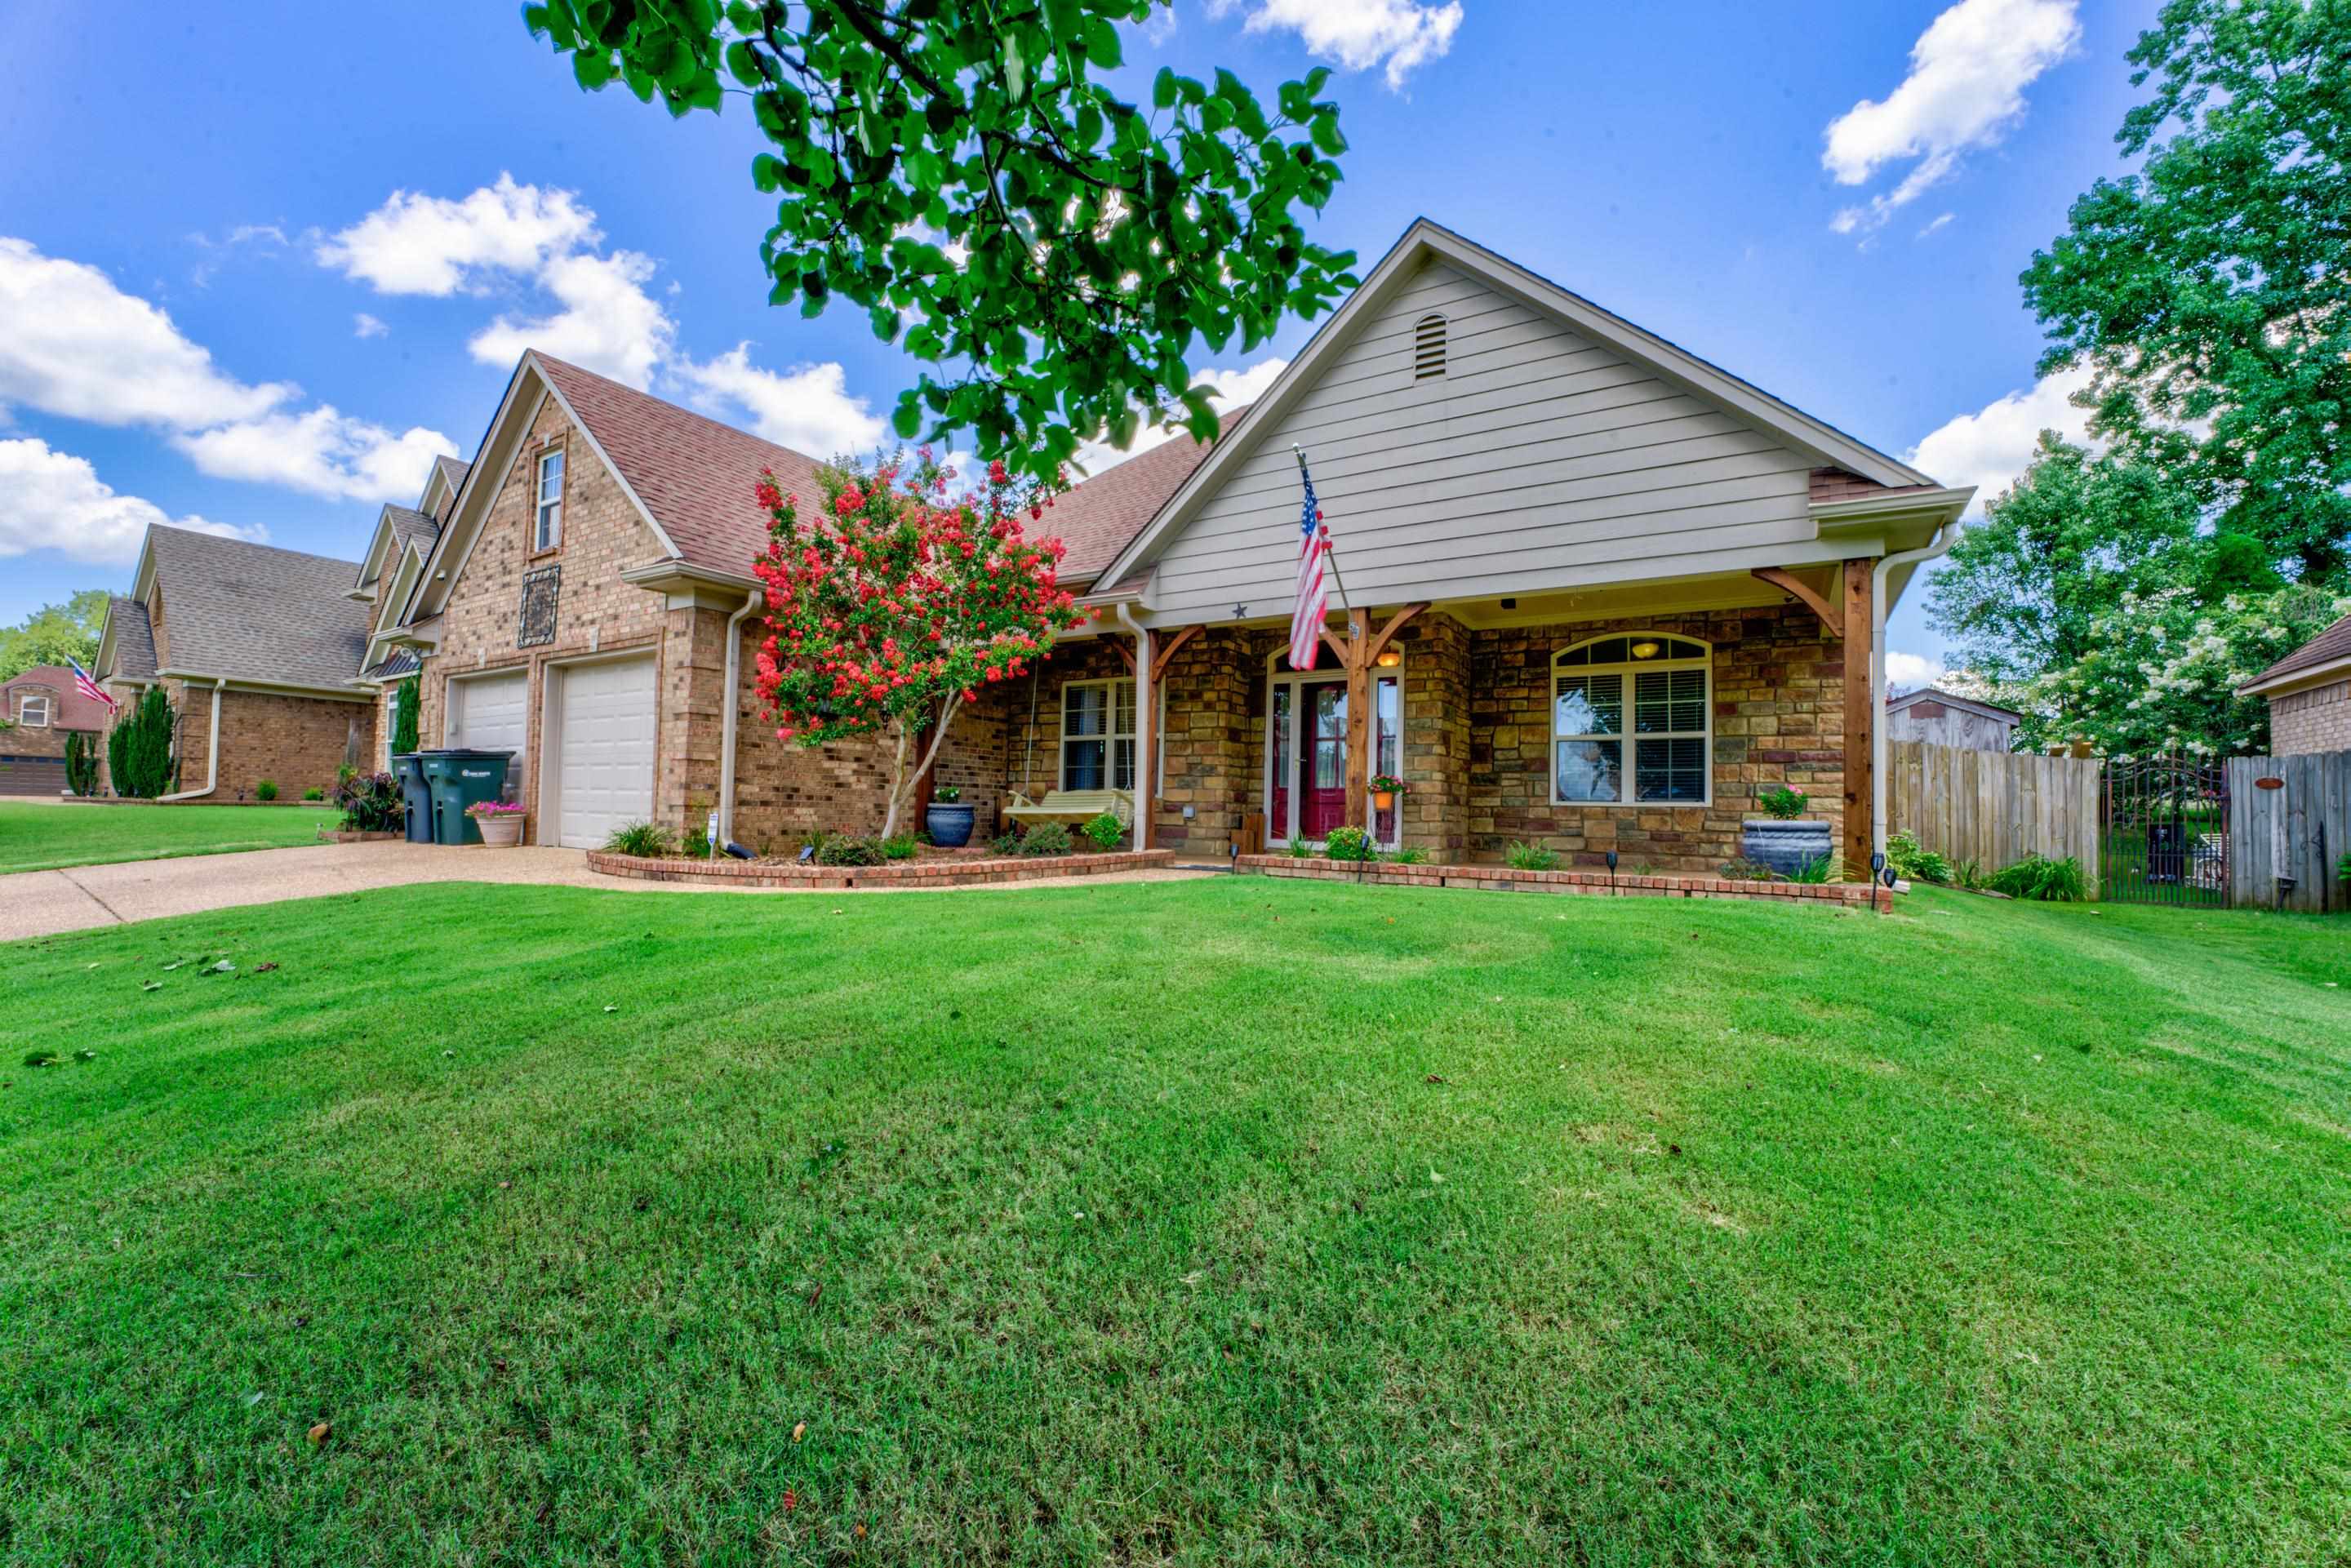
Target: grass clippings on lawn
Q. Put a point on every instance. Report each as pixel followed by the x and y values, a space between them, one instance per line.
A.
pixel 1231 1221
pixel 47 836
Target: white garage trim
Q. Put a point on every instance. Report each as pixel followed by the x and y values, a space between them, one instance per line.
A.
pixel 600 718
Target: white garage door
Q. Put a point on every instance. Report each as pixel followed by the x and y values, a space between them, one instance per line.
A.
pixel 489 713
pixel 604 755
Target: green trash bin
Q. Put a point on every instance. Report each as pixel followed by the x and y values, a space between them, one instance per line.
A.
pixel 458 779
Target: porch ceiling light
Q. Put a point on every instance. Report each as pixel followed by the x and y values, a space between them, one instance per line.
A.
pixel 1645 649
pixel 1389 659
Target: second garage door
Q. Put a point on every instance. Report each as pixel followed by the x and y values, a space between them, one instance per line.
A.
pixel 604 751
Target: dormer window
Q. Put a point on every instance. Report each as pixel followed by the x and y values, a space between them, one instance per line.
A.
pixel 548 532
pixel 1428 348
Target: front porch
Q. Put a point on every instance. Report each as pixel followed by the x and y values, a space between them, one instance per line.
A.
pixel 1640 722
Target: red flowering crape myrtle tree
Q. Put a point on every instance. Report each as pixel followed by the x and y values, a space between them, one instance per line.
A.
pixel 892 605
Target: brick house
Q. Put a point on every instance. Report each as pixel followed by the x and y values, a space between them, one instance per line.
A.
pixel 387 578
pixel 43 706
pixel 256 647
pixel 2309 694
pixel 1604 594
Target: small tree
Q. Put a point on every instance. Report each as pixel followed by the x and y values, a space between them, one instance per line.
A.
pixel 403 716
pixel 81 762
pixel 138 751
pixel 890 608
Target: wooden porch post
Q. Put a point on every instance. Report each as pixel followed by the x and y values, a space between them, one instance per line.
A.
pixel 1146 782
pixel 1359 717
pixel 1860 716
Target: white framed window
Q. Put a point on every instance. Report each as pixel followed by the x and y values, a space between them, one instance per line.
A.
pixel 1097 735
pixel 1632 721
pixel 546 531
pixel 32 711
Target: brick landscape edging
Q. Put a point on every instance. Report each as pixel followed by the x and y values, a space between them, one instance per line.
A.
pixel 918 873
pixel 1598 882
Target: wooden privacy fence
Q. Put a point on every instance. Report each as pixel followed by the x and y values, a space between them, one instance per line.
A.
pixel 2286 830
pixel 1994 807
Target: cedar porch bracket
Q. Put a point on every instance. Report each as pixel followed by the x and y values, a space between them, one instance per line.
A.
pixel 1831 615
pixel 1159 661
pixel 1358 654
pixel 1125 652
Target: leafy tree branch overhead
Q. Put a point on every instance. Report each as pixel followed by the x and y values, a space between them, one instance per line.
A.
pixel 1052 253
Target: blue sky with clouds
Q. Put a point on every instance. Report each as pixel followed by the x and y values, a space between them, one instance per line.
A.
pixel 255 272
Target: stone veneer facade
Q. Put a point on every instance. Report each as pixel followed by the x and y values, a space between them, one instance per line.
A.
pixel 2310 721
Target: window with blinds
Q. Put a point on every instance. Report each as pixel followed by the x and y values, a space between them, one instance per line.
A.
pixel 1630 721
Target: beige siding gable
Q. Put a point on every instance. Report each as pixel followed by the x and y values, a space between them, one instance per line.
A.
pixel 1539 459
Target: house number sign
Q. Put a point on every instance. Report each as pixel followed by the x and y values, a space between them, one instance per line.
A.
pixel 539 591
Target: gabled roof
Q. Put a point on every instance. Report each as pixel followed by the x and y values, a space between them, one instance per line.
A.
pixel 450 473
pixel 69 709
pixel 126 649
pixel 2330 648
pixel 1828 447
pixel 397 529
pixel 1100 514
pixel 1951 699
pixel 255 612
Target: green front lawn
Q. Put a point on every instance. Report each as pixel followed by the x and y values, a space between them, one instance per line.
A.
pixel 42 837
pixel 1231 1221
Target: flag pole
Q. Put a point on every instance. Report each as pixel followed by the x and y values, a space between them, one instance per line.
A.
pixel 1329 550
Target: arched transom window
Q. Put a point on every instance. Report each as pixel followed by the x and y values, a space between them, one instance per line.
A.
pixel 1630 721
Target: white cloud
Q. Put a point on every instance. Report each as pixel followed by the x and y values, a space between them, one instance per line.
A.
pixel 1937 225
pixel 1907 672
pixel 367 325
pixel 609 324
pixel 1966 87
pixel 1992 447
pixel 322 452
pixel 1232 390
pixel 807 408
pixel 416 244
pixel 76 346
pixel 1358 33
pixel 53 500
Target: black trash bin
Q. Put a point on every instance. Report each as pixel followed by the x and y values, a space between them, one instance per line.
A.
pixel 459 778
pixel 416 795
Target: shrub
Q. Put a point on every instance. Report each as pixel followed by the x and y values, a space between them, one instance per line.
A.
pixel 404 698
pixel 1524 856
pixel 1300 851
pixel 138 750
pixel 1818 870
pixel 1783 803
pixel 2039 877
pixel 1348 844
pixel 844 849
pixel 1046 839
pixel 647 841
pixel 695 845
pixel 1915 864
pixel 314 793
pixel 900 847
pixel 1745 869
pixel 370 803
pixel 1411 854
pixel 1007 842
pixel 1105 830
pixel 1968 873
pixel 265 790
pixel 81 763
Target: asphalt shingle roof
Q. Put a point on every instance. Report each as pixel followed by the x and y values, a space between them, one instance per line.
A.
pixel 453 474
pixel 697 476
pixel 256 613
pixel 2329 645
pixel 134 639
pixel 410 526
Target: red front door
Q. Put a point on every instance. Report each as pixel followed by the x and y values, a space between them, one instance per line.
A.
pixel 1323 758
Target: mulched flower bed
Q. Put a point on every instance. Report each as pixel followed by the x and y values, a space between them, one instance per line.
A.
pixel 936 868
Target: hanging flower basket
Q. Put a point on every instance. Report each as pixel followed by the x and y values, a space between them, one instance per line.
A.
pixel 1385 788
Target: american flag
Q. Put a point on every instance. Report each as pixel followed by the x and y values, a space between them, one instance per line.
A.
pixel 1313 544
pixel 85 685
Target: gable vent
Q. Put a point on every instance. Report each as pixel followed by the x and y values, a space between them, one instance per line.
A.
pixel 1428 348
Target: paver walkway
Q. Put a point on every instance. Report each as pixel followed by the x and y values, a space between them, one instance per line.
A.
pixel 44 903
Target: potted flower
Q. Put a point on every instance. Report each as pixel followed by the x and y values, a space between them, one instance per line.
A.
pixel 949 817
pixel 1783 839
pixel 498 821
pixel 1385 788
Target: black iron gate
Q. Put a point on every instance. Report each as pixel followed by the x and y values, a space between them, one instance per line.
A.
pixel 2164 830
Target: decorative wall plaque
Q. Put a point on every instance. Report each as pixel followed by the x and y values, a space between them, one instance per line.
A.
pixel 539 591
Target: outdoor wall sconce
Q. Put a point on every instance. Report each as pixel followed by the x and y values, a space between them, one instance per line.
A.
pixel 1645 649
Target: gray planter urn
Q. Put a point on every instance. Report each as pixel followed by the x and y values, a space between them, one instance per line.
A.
pixel 949 822
pixel 1785 846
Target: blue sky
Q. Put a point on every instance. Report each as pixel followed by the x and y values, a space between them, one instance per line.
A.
pixel 194 219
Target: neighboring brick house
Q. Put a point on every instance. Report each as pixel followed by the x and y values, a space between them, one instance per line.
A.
pixel 2309 694
pixel 256 647
pixel 43 706
pixel 1608 594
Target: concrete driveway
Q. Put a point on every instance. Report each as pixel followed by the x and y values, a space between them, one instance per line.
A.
pixel 44 903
